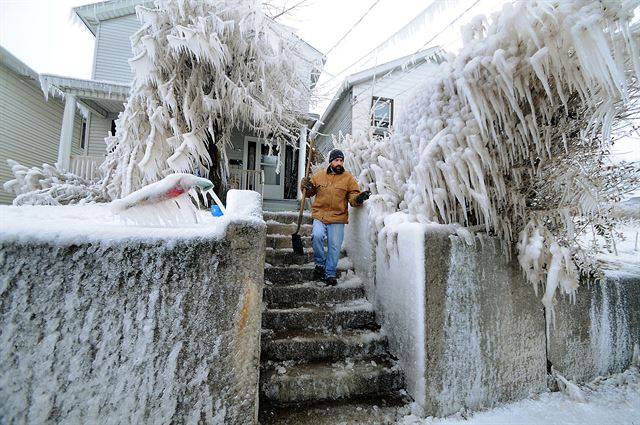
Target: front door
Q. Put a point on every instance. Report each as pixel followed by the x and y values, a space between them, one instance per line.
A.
pixel 267 161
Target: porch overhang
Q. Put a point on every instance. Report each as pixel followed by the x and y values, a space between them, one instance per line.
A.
pixel 100 97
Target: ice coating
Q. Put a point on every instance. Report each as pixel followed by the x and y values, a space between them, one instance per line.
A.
pixel 510 136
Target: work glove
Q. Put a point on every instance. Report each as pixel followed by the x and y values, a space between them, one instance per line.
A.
pixel 306 184
pixel 363 196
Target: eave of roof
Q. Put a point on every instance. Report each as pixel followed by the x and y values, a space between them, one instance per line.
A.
pixel 102 97
pixel 92 14
pixel 16 65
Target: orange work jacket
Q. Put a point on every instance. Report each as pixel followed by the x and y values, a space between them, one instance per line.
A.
pixel 332 192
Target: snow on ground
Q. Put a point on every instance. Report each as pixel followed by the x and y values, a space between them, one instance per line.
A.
pixel 611 401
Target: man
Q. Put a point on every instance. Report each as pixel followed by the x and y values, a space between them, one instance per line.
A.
pixel 333 188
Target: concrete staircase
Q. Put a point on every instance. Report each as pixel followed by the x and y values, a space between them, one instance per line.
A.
pixel 324 359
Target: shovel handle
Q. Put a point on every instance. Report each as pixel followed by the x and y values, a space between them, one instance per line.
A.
pixel 306 175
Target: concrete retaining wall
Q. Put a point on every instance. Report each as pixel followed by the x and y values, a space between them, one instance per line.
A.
pixel 470 332
pixel 128 332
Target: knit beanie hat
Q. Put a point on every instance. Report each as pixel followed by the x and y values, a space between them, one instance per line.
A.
pixel 336 153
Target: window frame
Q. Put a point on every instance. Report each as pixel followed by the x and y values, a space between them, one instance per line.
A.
pixel 376 122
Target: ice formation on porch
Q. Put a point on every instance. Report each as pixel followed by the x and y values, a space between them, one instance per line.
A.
pixel 511 135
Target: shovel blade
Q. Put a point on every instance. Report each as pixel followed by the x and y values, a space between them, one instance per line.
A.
pixel 296 242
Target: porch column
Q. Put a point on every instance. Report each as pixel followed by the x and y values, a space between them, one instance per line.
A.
pixel 302 157
pixel 66 133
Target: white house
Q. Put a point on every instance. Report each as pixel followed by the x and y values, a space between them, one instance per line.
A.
pixel 373 99
pixel 102 98
pixel 29 124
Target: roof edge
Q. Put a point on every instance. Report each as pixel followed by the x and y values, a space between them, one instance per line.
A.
pixel 16 65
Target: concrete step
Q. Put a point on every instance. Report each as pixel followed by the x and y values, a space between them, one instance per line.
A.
pixel 286 257
pixel 312 346
pixel 276 228
pixel 383 409
pixel 310 293
pixel 352 315
pixel 286 217
pixel 284 241
pixel 284 383
pixel 281 274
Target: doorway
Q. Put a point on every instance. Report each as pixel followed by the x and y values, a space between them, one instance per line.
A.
pixel 259 156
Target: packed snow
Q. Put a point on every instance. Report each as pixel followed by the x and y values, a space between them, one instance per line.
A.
pixel 613 400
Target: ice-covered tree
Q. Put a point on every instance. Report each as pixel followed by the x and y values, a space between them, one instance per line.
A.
pixel 511 135
pixel 202 69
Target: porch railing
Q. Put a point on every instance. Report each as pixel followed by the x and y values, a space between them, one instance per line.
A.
pixel 86 166
pixel 246 180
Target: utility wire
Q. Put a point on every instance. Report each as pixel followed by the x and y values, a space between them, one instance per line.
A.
pixel 352 27
pixel 408 62
pixel 421 14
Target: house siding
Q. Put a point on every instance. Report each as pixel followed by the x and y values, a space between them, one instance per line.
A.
pixel 113 49
pixel 399 86
pixel 339 122
pixel 29 126
pixel 99 128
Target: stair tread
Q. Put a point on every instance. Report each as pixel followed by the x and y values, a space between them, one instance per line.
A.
pixel 360 304
pixel 317 334
pixel 323 370
pixel 383 409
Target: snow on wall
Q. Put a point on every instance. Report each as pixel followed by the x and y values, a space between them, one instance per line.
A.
pixel 360 248
pixel 123 328
pixel 603 330
pixel 400 301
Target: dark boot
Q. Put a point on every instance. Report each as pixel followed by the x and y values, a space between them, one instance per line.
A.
pixel 331 281
pixel 318 273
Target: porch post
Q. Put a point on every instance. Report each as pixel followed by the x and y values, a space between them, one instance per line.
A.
pixel 66 133
pixel 302 157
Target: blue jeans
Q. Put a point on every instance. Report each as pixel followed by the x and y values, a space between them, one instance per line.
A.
pixel 334 234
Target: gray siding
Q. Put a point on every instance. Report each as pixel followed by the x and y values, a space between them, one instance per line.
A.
pixel 338 122
pixel 399 86
pixel 99 128
pixel 29 126
pixel 113 49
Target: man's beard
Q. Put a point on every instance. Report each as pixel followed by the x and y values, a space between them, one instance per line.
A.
pixel 338 169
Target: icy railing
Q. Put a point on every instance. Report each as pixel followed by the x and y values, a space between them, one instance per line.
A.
pixel 86 166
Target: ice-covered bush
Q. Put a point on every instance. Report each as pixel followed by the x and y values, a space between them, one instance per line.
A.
pixel 511 135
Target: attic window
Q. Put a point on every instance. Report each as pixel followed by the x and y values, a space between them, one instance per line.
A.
pixel 381 112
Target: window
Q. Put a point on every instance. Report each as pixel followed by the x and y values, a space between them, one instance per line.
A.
pixel 83 134
pixel 381 112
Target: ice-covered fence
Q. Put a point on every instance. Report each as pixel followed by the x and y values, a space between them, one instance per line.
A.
pixel 465 325
pixel 102 323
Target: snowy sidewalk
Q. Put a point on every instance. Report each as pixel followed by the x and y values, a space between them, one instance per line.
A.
pixel 611 401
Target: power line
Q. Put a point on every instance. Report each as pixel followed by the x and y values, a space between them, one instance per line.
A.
pixel 421 15
pixel 352 27
pixel 408 62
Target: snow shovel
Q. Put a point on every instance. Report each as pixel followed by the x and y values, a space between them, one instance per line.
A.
pixel 296 239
